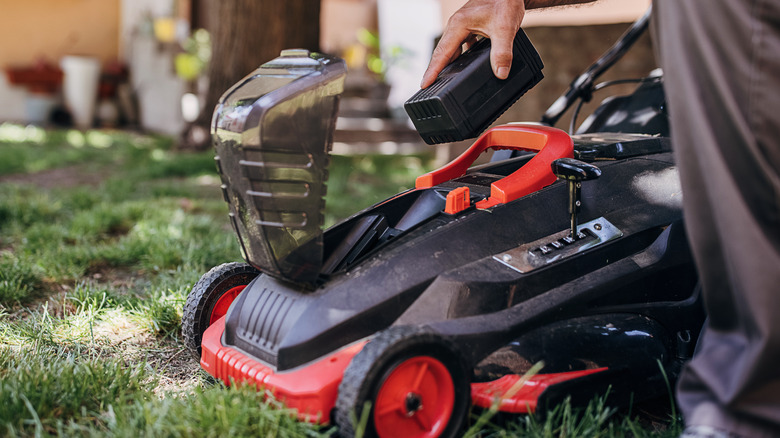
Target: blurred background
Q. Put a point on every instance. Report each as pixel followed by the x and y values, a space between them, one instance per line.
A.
pixel 160 65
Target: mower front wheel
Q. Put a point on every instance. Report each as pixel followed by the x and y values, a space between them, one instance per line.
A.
pixel 413 383
pixel 210 299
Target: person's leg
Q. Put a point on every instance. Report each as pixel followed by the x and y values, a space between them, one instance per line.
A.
pixel 721 61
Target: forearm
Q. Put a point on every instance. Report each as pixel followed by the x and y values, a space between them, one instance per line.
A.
pixel 536 4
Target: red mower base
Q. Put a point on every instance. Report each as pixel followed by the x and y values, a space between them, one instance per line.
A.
pixel 312 390
pixel 520 400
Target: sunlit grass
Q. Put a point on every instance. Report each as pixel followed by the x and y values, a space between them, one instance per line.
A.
pixel 32 149
pixel 13 133
pixel 359 181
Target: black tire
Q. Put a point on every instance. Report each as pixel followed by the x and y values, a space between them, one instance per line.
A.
pixel 198 309
pixel 377 377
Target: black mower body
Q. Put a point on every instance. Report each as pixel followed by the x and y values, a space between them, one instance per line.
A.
pixel 448 268
pixel 495 282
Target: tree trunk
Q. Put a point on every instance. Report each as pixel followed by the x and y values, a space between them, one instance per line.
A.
pixel 246 34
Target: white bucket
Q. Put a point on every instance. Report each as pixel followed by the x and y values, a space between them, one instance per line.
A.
pixel 80 86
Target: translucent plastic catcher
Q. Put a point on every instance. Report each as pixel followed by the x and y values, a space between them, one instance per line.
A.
pixel 272 132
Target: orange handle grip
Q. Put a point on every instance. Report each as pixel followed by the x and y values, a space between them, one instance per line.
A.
pixel 549 143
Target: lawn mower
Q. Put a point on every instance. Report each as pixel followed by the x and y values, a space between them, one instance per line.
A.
pixel 567 251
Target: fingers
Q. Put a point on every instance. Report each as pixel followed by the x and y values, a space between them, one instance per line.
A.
pixel 470 41
pixel 504 27
pixel 498 20
pixel 446 51
pixel 501 53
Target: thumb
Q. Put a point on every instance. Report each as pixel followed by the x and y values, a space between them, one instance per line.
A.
pixel 501 56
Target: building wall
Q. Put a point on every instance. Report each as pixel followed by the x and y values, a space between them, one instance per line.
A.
pixel 32 30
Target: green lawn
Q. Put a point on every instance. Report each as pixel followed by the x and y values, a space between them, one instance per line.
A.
pixel 102 234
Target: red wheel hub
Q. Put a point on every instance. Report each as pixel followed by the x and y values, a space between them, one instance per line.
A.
pixel 223 303
pixel 416 400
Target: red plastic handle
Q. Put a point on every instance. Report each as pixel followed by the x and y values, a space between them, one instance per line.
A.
pixel 549 143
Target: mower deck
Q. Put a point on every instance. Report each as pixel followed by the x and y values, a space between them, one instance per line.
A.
pixel 312 389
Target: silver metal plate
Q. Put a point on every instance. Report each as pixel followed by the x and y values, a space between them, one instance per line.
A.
pixel 529 256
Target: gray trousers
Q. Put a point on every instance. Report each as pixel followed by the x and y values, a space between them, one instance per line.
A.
pixel 721 61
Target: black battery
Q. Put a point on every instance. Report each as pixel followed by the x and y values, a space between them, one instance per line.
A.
pixel 467 97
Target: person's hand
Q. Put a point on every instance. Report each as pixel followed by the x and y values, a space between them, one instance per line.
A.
pixel 498 20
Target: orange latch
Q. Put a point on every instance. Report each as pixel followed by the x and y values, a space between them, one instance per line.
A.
pixel 458 200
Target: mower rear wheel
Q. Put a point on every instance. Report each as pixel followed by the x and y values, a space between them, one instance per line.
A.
pixel 210 299
pixel 413 382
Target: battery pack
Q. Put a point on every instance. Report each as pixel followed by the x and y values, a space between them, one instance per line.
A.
pixel 467 97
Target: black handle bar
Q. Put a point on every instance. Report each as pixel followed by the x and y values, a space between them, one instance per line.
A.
pixel 582 86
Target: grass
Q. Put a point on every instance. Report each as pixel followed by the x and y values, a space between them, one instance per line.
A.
pixel 69 395
pixel 94 272
pixel 43 393
pixel 360 181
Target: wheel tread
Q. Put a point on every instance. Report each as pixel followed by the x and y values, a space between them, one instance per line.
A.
pixel 385 346
pixel 200 296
